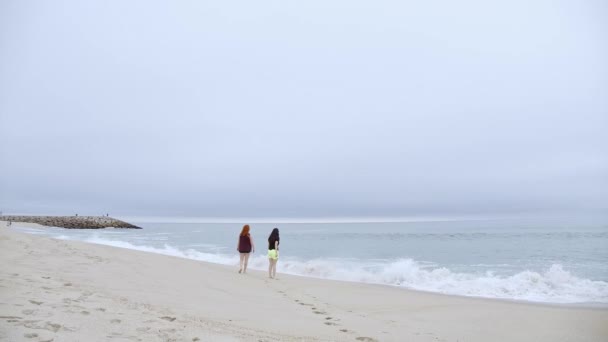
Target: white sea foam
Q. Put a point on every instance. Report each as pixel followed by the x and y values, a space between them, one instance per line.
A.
pixel 554 285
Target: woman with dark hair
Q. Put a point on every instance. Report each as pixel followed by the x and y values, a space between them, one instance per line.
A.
pixel 273 252
pixel 244 247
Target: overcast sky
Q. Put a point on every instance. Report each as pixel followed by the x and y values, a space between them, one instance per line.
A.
pixel 303 108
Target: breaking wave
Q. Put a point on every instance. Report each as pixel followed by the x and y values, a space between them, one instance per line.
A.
pixel 553 285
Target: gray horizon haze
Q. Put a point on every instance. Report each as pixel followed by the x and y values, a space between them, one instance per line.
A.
pixel 304 109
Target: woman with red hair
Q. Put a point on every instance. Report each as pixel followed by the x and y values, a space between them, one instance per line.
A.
pixel 244 247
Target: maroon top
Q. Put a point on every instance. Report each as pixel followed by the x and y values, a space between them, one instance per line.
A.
pixel 244 244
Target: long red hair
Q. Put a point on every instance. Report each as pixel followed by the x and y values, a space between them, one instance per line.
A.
pixel 245 230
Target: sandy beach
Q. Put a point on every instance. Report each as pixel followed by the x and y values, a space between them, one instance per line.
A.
pixel 55 290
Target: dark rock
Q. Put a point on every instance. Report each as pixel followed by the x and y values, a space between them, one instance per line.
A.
pixel 72 222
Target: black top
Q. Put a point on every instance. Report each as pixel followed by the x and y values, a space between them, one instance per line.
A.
pixel 271 242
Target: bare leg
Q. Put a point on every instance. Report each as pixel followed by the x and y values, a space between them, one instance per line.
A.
pixel 274 268
pixel 242 256
pixel 269 268
pixel 245 262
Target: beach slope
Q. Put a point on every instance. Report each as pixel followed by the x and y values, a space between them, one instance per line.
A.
pixel 73 291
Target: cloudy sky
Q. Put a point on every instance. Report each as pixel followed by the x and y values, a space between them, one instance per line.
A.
pixel 304 108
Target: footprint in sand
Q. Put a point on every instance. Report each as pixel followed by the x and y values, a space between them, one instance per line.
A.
pixel 366 339
pixel 85 295
pixel 52 326
pixel 330 323
pixel 69 300
pixel 344 330
pixel 84 312
pixel 32 335
pixel 35 302
pixel 46 277
pixel 167 318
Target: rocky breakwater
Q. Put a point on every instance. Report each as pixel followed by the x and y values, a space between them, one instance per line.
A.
pixel 72 222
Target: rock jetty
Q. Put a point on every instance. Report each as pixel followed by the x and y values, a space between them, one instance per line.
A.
pixel 72 222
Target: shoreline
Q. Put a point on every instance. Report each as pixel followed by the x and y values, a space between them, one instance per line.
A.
pixel 588 305
pixel 73 290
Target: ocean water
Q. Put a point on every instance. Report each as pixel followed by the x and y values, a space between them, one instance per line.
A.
pixel 551 261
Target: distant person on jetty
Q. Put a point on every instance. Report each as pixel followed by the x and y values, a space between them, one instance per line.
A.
pixel 245 246
pixel 273 252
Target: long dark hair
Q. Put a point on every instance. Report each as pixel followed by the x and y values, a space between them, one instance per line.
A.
pixel 274 236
